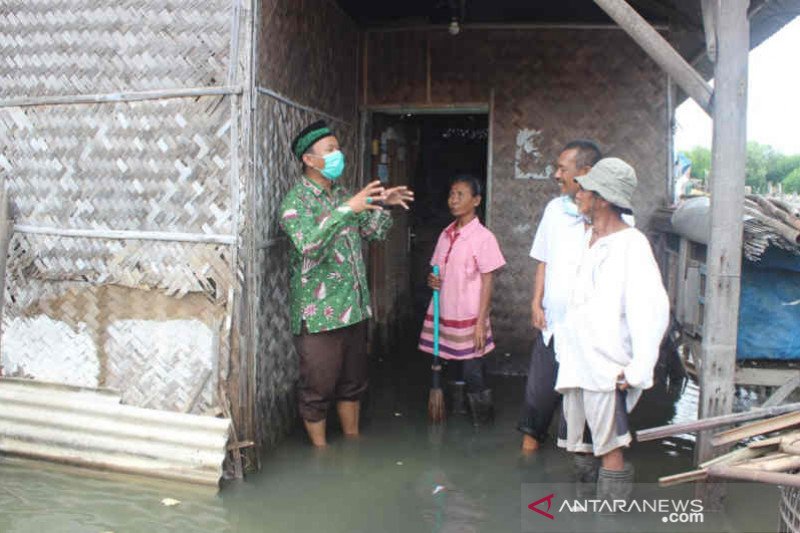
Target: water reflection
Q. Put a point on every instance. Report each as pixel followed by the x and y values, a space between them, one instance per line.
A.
pixel 402 475
pixel 36 498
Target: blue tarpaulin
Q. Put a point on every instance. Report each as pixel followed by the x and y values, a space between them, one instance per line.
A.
pixel 769 309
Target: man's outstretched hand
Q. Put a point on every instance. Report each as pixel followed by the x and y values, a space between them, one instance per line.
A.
pixel 401 195
pixel 368 197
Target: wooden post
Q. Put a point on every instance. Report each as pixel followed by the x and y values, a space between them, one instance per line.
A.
pixel 718 362
pixel 659 50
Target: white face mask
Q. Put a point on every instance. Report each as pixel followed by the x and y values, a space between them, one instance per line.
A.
pixel 570 207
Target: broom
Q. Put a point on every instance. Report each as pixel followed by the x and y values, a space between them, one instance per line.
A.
pixel 436 396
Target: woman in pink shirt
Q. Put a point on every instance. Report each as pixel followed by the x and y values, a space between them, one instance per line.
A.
pixel 467 254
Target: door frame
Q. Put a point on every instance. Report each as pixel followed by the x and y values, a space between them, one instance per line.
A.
pixel 465 108
pixel 365 125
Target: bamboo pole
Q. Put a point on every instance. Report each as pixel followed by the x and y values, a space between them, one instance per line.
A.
pixel 683 477
pixel 756 428
pixel 209 238
pixel 775 211
pixel 736 456
pixel 131 96
pixel 737 472
pixel 713 422
pixel 659 51
pixel 6 229
pixel 774 464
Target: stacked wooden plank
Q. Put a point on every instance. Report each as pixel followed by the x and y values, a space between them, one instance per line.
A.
pixel 768 446
pixel 768 221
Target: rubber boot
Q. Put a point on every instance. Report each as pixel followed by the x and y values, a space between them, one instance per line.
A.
pixel 615 484
pixel 586 473
pixel 488 404
pixel 480 403
pixel 455 392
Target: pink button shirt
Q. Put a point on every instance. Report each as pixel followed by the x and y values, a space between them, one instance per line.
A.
pixel 462 255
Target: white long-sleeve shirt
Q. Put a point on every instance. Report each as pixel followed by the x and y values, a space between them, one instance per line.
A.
pixel 617 315
pixel 559 244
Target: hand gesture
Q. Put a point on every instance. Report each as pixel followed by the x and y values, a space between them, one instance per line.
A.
pixel 622 383
pixel 401 195
pixel 367 197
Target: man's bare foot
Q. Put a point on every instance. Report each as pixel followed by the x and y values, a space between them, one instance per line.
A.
pixel 529 444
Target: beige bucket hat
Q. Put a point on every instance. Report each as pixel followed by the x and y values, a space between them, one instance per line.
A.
pixel 613 179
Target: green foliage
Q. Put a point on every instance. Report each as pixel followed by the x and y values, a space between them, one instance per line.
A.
pixel 759 157
pixel 764 164
pixel 791 183
pixel 784 165
pixel 701 162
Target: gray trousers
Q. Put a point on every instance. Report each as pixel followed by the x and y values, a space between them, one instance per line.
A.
pixel 541 398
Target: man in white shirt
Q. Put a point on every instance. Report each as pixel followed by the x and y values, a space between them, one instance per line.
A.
pixel 616 317
pixel 557 247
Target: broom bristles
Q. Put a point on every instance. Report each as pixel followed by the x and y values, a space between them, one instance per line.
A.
pixel 436 410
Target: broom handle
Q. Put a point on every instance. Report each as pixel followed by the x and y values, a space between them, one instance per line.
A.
pixel 436 319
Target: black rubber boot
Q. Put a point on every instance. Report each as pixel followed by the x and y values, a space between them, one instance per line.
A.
pixel 488 405
pixel 481 406
pixel 615 484
pixel 586 472
pixel 456 400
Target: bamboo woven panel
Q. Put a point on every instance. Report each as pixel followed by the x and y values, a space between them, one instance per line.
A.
pixel 158 351
pixel 89 46
pixel 575 90
pixel 156 165
pixel 551 87
pixel 397 67
pixel 277 168
pixel 308 51
pixel 277 369
pixel 174 269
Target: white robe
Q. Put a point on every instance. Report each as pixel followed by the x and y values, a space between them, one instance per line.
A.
pixel 617 315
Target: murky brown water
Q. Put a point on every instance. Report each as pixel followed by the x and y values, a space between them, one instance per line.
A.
pixel 385 481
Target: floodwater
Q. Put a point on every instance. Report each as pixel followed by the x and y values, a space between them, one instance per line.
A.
pixel 401 475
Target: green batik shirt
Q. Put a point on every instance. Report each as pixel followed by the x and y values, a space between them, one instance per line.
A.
pixel 329 280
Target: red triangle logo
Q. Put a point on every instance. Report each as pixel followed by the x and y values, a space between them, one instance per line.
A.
pixel 549 499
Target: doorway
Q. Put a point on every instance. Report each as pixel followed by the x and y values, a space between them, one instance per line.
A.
pixel 424 151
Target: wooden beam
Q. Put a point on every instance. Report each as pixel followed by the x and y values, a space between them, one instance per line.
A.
pixel 724 257
pixel 764 377
pixel 783 392
pixel 713 422
pixel 745 474
pixel 659 50
pixel 736 456
pixel 674 15
pixel 709 8
pixel 756 428
pixel 683 477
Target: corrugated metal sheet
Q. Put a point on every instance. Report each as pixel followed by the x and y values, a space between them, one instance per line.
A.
pixel 90 428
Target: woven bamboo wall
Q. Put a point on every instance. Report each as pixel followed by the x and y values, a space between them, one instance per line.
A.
pixel 149 316
pixel 307 53
pixel 57 47
pixel 549 86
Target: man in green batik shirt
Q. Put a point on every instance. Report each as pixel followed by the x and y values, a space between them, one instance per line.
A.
pixel 329 293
